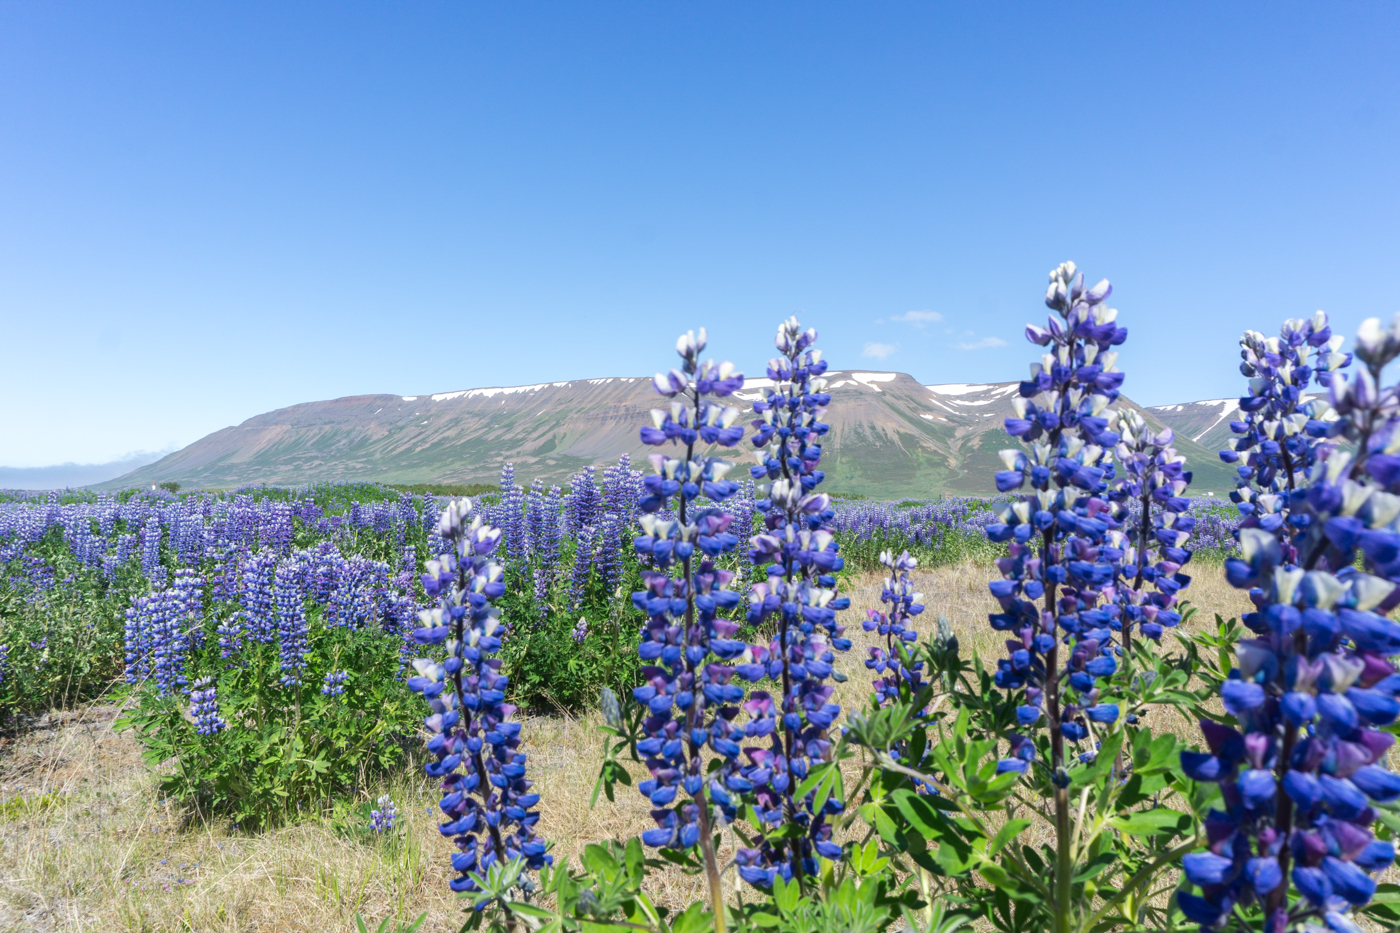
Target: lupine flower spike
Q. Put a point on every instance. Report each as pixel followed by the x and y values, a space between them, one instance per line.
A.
pixel 896 627
pixel 204 708
pixel 797 554
pixel 1064 544
pixel 1282 431
pixel 686 648
pixel 382 817
pixel 486 799
pixel 1303 770
pixel 1151 504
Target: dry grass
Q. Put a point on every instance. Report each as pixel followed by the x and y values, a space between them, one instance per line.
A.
pixel 87 844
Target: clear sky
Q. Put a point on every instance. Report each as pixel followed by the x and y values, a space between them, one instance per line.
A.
pixel 209 210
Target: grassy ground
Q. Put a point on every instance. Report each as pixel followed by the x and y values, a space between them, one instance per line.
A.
pixel 86 844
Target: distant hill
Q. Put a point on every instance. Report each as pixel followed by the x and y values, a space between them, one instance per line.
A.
pixel 63 475
pixel 891 437
pixel 1206 423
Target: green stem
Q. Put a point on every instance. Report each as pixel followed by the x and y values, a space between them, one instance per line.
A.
pixel 707 841
pixel 1137 881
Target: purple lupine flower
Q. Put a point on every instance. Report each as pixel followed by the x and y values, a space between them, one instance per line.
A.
pixel 512 510
pixel 292 632
pixel 543 540
pixel 358 589
pixel 609 554
pixel 1154 511
pixel 231 633
pixel 583 566
pixel 333 685
pixel 622 487
pixel 137 640
pixel 1063 542
pixel 1283 432
pixel 582 505
pixel 1304 768
pixel 275 527
pixel 204 708
pixel 580 631
pixel 324 568
pixel 4 661
pixel 126 547
pixel 898 593
pixel 158 640
pixel 150 551
pixel 259 607
pixel 382 817
pixel 189 592
pixel 486 797
pixel 687 649
pixel 797 553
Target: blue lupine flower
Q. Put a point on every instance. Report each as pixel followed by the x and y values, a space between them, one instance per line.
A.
pixel 896 627
pixel 486 797
pixel 160 631
pixel 1282 431
pixel 690 653
pixel 259 601
pixel 204 708
pixel 1302 772
pixel 150 551
pixel 543 539
pixel 1152 506
pixel 798 555
pixel 333 685
pixel 512 512
pixel 382 817
pixel 1065 544
pixel 292 632
pixel 583 565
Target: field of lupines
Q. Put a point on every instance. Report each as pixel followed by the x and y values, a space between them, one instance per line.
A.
pixel 270 643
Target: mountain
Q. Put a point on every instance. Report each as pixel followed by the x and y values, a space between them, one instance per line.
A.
pixel 1205 423
pixel 891 437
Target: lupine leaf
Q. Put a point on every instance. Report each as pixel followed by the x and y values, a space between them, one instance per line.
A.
pixel 1011 830
pixel 1153 822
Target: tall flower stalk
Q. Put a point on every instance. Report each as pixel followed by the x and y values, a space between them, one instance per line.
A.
pixel 1152 504
pixel 685 688
pixel 797 554
pixel 1282 431
pixel 896 627
pixel 487 800
pixel 1064 545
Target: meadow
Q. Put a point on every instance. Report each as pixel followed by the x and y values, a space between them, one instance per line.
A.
pixel 1087 704
pixel 97 835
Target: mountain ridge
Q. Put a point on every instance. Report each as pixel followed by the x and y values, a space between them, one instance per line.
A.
pixel 891 436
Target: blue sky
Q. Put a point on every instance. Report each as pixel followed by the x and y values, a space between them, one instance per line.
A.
pixel 212 210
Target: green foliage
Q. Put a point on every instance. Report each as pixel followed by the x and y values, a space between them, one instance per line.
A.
pixel 287 750
pixel 65 643
pixel 862 555
pixel 447 489
pixel 170 486
pixel 549 668
pixel 930 791
pixel 607 892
